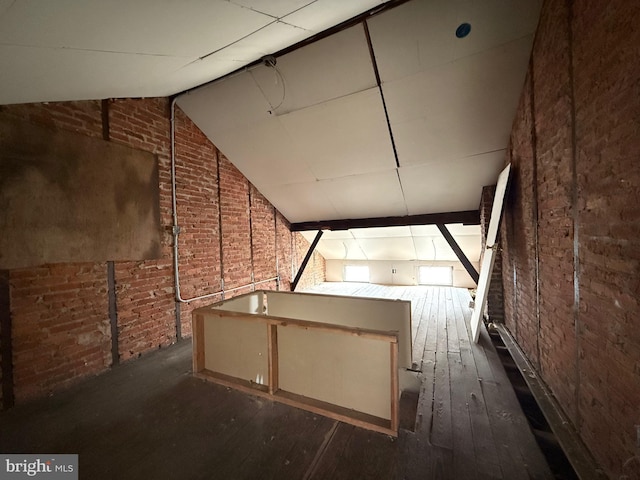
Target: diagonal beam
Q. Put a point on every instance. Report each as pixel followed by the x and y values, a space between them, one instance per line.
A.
pixel 458 251
pixel 306 260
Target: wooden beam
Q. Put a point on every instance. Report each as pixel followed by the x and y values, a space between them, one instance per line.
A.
pixel 471 270
pixel 467 217
pixel 113 312
pixel 272 338
pixel 198 343
pixel 306 260
pixel 578 455
pixel 395 387
pixel 335 412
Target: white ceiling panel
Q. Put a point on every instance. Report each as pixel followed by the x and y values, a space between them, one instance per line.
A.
pixel 420 35
pixel 5 4
pixel 345 136
pixel 413 37
pixel 436 248
pixel 319 15
pixel 50 72
pixel 265 41
pixel 392 248
pixel 471 246
pixel 275 8
pixel 382 232
pixel 265 154
pixel 426 249
pixel 450 186
pixel 340 249
pixel 456 229
pixel 300 202
pixel 460 109
pixel 494 23
pixel 364 196
pixel 189 28
pixel 337 235
pixel 312 133
pixel 195 41
pixel 233 103
pixel 333 67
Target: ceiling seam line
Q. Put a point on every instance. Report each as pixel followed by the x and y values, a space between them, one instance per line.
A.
pixel 236 41
pixel 379 83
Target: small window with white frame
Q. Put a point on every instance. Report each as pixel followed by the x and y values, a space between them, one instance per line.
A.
pixel 356 273
pixel 430 275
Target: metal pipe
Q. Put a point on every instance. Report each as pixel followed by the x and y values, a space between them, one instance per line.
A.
pixel 222 292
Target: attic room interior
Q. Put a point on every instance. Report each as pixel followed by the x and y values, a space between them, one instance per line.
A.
pixel 177 177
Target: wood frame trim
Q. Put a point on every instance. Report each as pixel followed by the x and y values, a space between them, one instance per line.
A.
pixel 272 391
pixel 198 342
pixel 467 217
pixel 272 338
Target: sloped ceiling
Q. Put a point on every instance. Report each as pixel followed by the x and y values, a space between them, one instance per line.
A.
pixel 323 139
pixel 392 116
pixel 92 49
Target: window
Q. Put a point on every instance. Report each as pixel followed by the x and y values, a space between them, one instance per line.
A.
pixel 356 273
pixel 435 275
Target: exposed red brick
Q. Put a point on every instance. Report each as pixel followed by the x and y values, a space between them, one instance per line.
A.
pixel 60 333
pixel 584 101
pixel 60 312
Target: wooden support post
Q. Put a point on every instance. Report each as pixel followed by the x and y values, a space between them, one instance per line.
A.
pixel 395 388
pixel 473 273
pixel 272 338
pixel 113 312
pixel 198 343
pixel 306 260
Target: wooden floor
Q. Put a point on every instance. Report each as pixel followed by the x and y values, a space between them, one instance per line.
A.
pixel 151 419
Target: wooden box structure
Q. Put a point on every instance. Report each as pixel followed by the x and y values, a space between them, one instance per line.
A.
pixel 333 355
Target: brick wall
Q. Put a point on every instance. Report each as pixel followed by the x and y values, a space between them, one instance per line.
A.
pixel 61 327
pixel 571 270
pixel 144 289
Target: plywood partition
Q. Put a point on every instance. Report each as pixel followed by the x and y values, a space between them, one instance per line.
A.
pixel 372 313
pixel 346 372
pixel 249 303
pixel 340 369
pixel 237 348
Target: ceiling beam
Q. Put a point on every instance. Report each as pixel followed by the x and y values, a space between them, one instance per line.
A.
pixel 467 217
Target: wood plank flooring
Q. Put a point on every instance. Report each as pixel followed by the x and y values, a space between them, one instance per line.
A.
pixel 151 419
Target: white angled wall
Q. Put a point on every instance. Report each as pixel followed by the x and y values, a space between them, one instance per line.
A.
pixel 406 272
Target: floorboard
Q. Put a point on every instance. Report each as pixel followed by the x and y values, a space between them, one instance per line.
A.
pixel 151 419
